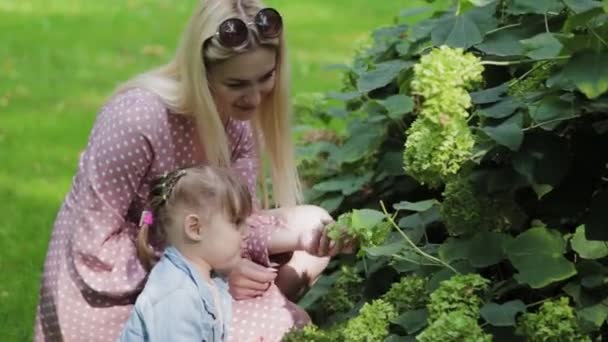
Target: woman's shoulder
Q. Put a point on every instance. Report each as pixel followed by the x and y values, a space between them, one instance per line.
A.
pixel 134 102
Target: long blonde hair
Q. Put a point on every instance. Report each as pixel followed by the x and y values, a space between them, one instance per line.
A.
pixel 183 86
pixel 205 189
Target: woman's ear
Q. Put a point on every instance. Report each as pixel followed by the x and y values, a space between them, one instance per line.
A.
pixel 193 227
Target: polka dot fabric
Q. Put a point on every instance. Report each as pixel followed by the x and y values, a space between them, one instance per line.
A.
pixel 91 275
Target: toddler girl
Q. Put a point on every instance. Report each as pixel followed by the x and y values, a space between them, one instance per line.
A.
pixel 199 213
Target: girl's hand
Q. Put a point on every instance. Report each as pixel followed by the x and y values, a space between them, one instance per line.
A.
pixel 248 279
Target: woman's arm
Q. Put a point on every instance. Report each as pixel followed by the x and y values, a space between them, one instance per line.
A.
pixel 102 255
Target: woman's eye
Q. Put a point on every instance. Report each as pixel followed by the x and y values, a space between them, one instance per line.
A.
pixel 267 76
pixel 235 85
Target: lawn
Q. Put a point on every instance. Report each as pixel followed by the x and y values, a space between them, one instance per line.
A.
pixel 59 60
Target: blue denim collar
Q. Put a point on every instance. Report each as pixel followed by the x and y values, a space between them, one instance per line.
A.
pixel 173 255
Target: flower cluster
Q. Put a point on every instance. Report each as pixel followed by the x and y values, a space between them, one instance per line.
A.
pixel 439 141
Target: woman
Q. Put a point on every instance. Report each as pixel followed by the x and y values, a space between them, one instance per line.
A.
pixel 222 100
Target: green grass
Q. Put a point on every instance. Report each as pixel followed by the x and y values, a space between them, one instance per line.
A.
pixel 60 59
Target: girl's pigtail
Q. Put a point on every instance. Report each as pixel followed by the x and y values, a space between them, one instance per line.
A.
pixel 146 254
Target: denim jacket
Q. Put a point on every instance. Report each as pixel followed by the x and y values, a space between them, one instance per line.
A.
pixel 177 305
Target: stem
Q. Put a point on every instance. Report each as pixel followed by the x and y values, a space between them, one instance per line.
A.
pixel 471 117
pixel 401 257
pixel 520 78
pixel 550 121
pixel 597 36
pixel 547 24
pixel 459 7
pixel 539 302
pixel 413 245
pixel 524 61
pixel 502 28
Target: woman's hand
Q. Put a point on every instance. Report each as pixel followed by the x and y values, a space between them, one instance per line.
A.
pixel 316 242
pixel 308 223
pixel 249 280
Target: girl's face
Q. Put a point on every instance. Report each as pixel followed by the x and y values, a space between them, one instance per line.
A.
pixel 222 241
pixel 240 84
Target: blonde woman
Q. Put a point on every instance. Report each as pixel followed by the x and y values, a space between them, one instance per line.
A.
pixel 221 101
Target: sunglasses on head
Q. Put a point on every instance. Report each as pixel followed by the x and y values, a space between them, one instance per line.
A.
pixel 234 32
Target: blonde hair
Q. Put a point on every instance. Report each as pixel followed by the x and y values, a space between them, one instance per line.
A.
pixel 206 189
pixel 183 86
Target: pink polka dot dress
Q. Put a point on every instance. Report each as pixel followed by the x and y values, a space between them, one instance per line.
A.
pixel 91 274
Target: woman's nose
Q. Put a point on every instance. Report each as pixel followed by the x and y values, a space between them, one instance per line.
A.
pixel 253 97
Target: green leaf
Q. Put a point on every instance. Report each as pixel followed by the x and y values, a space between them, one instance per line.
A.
pixel 391 164
pixel 501 110
pixel 347 184
pixel 502 315
pixel 503 43
pixel 589 72
pixel 320 289
pixel 543 159
pixel 581 19
pixel 423 29
pixel 403 48
pixel 454 249
pixel 596 227
pixel 489 95
pixel 580 6
pixel 481 3
pixel 487 248
pixel 338 112
pixel 535 6
pixel 483 17
pixel 550 112
pixel 332 203
pixel 541 189
pixel 382 75
pixel 595 314
pixel 343 96
pixel 508 134
pixel 458 32
pixel 366 218
pixel 397 105
pixel 542 46
pixel 416 206
pixel 537 254
pixel 389 249
pixel 412 321
pixel 409 12
pixel 360 134
pixel 482 250
pixel 588 249
pixel 575 21
pixel 413 226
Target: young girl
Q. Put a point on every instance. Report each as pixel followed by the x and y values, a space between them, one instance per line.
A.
pixel 199 213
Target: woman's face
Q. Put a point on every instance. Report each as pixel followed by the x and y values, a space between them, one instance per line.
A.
pixel 240 84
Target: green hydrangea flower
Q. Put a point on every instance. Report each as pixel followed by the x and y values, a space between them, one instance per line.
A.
pixel 555 321
pixel 439 141
pixel 371 325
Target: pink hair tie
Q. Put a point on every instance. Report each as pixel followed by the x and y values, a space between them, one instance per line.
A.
pixel 146 218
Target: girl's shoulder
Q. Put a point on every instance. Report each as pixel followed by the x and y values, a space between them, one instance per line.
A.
pixel 166 281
